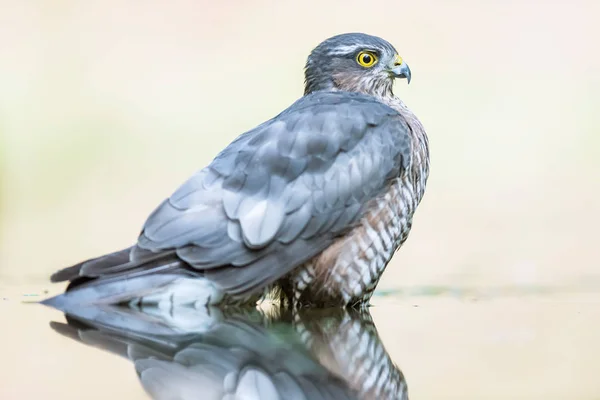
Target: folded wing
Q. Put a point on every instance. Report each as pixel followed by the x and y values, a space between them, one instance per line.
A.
pixel 276 196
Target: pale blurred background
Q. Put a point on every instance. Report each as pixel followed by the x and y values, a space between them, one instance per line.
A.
pixel 107 106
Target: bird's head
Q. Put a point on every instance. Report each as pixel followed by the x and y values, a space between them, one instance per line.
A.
pixel 354 62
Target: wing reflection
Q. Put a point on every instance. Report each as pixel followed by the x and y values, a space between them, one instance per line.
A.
pixel 234 354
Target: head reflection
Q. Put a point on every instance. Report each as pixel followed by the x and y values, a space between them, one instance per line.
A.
pixel 234 354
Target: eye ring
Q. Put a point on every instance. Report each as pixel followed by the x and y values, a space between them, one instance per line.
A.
pixel 366 59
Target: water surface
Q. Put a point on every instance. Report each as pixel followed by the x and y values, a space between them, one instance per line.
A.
pixel 424 343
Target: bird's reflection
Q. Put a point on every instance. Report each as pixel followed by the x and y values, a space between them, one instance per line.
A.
pixel 241 354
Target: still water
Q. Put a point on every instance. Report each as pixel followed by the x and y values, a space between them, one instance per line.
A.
pixel 423 343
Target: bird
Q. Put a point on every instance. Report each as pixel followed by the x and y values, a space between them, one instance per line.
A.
pixel 305 209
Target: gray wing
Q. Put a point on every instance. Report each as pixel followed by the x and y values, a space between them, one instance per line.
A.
pixel 280 193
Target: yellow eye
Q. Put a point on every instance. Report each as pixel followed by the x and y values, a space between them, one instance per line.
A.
pixel 366 59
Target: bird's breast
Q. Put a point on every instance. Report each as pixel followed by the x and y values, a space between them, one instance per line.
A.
pixel 349 269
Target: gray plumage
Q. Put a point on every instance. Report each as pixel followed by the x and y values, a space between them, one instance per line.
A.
pixel 276 197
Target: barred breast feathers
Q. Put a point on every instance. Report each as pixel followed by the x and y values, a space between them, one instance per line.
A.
pixel 350 267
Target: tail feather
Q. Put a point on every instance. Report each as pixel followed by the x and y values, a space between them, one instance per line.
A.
pixel 131 275
pixel 125 263
pixel 116 265
pixel 74 272
pixel 110 291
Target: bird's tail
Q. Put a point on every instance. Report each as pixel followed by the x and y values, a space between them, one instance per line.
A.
pixel 135 277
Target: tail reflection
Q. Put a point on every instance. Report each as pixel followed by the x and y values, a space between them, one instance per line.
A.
pixel 226 354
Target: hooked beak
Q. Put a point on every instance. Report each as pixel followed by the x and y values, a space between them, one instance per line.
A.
pixel 400 69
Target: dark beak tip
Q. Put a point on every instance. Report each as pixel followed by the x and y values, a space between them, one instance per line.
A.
pixel 402 71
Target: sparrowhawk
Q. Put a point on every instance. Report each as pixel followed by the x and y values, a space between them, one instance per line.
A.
pixel 307 207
